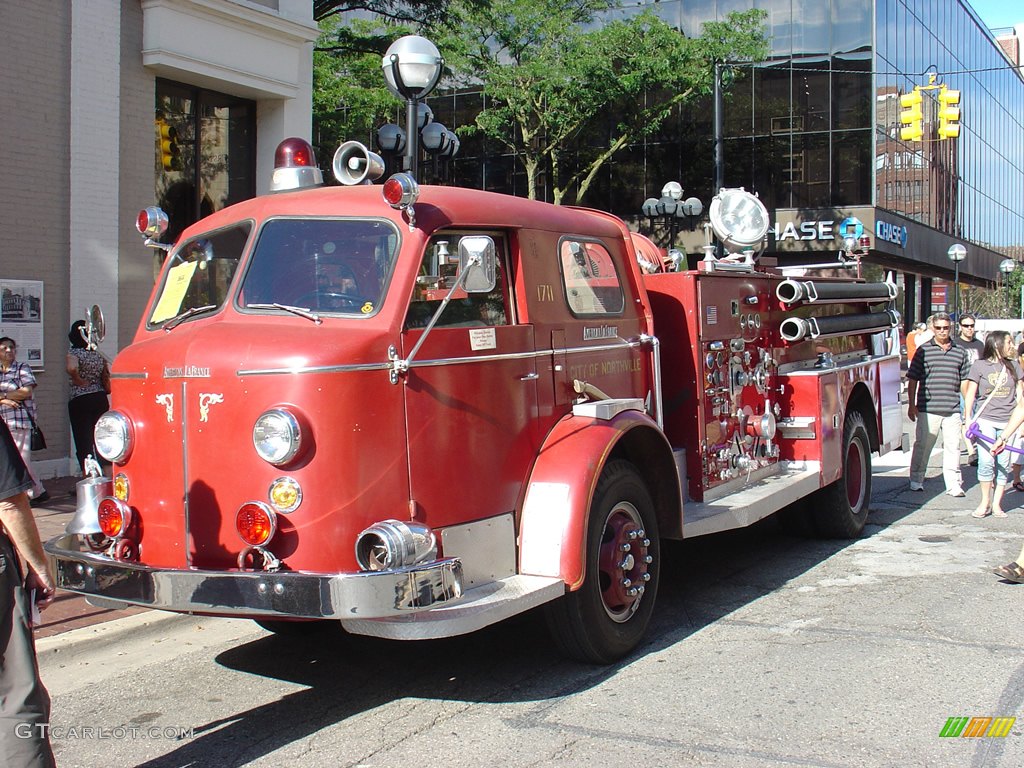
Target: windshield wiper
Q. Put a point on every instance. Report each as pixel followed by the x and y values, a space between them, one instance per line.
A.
pixel 305 312
pixel 177 320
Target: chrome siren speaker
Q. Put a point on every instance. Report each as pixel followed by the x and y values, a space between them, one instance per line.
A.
pixel 355 164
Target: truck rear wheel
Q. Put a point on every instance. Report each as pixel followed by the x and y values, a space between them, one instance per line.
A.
pixel 841 508
pixel 608 615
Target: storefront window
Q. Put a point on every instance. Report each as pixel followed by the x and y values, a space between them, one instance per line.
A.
pixel 205 152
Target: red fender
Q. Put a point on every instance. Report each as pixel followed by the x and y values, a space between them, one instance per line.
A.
pixel 553 528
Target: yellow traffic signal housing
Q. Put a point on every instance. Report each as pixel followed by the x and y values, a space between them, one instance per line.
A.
pixel 170 152
pixel 911 116
pixel 949 113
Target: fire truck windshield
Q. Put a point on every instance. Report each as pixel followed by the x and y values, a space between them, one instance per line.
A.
pixel 327 266
pixel 200 274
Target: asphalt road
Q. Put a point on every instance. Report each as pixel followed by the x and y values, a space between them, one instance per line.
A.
pixel 766 650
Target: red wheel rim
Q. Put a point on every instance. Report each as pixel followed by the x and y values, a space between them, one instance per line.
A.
pixel 623 562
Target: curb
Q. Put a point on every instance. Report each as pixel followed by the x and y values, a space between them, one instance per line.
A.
pixel 140 625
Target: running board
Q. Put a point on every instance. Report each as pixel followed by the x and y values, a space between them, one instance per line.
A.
pixel 742 508
pixel 479 607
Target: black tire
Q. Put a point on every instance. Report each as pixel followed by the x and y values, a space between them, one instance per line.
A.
pixel 301 628
pixel 841 508
pixel 606 618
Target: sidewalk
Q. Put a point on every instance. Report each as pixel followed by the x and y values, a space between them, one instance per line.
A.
pixel 68 611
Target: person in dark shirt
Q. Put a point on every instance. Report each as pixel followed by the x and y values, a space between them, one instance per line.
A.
pixel 968 339
pixel 935 383
pixel 24 577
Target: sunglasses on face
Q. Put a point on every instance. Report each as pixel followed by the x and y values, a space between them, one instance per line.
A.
pixel 941 327
pixel 966 325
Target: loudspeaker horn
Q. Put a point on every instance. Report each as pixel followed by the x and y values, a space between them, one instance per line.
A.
pixel 355 164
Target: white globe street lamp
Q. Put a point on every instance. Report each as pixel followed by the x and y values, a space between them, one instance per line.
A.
pixel 956 254
pixel 1006 266
pixel 412 66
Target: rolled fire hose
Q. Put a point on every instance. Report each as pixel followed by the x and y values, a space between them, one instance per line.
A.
pixel 798 328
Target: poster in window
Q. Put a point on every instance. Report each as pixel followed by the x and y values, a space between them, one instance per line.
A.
pixel 21 318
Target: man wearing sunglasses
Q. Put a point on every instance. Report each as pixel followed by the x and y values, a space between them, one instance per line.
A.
pixel 975 349
pixel 966 338
pixel 934 387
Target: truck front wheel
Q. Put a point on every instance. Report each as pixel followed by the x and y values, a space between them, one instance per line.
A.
pixel 607 616
pixel 841 508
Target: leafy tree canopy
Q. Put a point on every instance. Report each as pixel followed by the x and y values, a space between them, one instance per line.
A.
pixel 553 76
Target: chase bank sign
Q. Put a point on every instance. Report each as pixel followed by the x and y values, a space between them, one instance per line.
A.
pixel 891 233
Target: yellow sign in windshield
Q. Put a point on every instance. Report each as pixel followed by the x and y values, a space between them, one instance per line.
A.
pixel 178 280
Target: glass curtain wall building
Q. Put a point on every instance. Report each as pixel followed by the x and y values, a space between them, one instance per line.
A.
pixel 815 131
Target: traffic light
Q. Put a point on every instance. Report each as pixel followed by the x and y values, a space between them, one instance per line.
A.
pixel 170 152
pixel 911 116
pixel 949 113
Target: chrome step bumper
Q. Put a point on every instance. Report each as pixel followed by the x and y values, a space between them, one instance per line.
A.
pixel 257 594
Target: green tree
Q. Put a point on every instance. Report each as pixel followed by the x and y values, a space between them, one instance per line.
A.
pixel 350 96
pixel 554 76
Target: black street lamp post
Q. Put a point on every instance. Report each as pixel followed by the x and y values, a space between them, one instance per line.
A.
pixel 412 67
pixel 1007 266
pixel 673 208
pixel 956 253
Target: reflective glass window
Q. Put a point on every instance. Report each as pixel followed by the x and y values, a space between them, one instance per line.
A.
pixel 590 281
pixel 772 110
pixel 327 266
pixel 851 170
pixel 851 26
pixel 199 274
pixel 811 95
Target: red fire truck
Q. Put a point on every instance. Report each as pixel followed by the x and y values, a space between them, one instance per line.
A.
pixel 420 411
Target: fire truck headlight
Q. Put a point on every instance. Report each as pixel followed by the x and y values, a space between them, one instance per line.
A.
pixel 277 436
pixel 394 544
pixel 113 436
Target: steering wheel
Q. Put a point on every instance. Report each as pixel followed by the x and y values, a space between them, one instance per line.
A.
pixel 330 300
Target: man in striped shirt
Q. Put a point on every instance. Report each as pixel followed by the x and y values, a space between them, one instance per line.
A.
pixel 934 385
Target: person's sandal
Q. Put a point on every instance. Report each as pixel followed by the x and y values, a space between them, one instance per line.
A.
pixel 1018 486
pixel 1010 572
pixel 980 513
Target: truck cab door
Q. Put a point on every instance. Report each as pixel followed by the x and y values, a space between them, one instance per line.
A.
pixel 470 393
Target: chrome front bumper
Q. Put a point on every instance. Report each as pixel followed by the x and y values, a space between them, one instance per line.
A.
pixel 282 594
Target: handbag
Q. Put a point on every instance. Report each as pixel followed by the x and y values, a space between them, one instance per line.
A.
pixel 38 438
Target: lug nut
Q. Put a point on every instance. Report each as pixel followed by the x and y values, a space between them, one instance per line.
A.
pixel 626 583
pixel 647 577
pixel 648 559
pixel 627 563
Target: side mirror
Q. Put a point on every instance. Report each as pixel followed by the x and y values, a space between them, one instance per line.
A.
pixel 478 263
pixel 95 327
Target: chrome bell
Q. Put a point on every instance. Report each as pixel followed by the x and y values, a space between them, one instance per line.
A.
pixel 89 492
